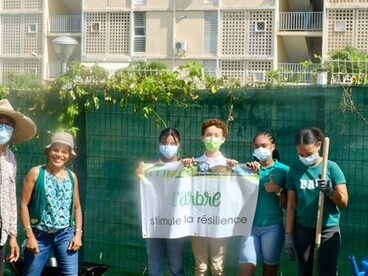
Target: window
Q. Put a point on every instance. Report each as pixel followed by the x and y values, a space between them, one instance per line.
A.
pixel 210 67
pixel 340 26
pixel 210 32
pixel 260 26
pixel 32 28
pixel 139 32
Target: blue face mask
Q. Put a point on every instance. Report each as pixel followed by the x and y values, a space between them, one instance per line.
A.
pixel 6 133
pixel 262 154
pixel 168 151
pixel 308 161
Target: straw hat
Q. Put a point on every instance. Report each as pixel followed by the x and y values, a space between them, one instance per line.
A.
pixel 62 138
pixel 24 128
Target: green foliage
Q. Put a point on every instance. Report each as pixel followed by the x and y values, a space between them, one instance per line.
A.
pixel 347 65
pixel 22 82
pixel 142 85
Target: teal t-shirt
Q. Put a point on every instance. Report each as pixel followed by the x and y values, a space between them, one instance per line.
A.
pixel 302 179
pixel 269 210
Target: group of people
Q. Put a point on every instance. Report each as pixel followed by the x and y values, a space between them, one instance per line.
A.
pixel 295 189
pixel 50 208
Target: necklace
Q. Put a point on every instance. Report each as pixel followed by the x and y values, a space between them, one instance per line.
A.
pixel 58 175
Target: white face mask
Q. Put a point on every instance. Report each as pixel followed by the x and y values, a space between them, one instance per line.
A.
pixel 169 151
pixel 308 161
pixel 6 133
pixel 262 154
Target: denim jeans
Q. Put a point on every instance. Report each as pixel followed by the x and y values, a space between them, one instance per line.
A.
pixel 58 242
pixel 156 256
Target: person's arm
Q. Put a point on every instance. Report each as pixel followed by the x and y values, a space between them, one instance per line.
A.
pixel 13 244
pixel 76 241
pixel 289 227
pixel 27 189
pixel 340 195
pixel 290 211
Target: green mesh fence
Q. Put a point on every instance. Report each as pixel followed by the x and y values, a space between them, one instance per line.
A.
pixel 111 141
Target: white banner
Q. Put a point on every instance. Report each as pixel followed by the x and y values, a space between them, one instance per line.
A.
pixel 178 201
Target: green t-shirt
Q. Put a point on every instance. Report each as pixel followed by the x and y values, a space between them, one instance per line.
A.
pixel 269 210
pixel 302 179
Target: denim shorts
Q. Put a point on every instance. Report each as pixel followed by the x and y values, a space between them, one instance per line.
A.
pixel 265 242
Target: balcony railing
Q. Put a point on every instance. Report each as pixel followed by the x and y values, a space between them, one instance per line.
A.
pixel 54 69
pixel 65 24
pixel 336 72
pixel 300 21
pixel 297 72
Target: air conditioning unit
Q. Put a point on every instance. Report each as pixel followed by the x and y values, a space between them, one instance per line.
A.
pixel 181 46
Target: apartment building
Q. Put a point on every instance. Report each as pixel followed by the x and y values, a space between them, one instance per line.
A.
pixel 242 39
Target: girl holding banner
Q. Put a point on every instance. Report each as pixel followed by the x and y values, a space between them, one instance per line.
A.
pixel 304 185
pixel 169 143
pixel 267 236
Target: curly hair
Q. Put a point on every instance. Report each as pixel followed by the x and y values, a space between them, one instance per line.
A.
pixel 217 123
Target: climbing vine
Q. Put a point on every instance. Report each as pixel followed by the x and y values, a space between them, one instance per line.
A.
pixel 141 85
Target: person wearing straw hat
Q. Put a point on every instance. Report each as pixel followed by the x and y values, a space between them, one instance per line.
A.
pixel 14 128
pixel 50 210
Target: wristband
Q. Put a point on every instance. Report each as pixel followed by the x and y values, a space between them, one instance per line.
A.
pixel 78 230
pixel 280 192
pixel 27 228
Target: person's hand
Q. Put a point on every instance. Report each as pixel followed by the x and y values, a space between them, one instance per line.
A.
pixel 188 162
pixel 76 242
pixel 32 245
pixel 14 249
pixel 325 186
pixel 254 165
pixel 139 169
pixel 289 246
pixel 231 162
pixel 271 186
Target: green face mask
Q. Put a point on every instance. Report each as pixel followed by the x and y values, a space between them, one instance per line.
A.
pixel 212 144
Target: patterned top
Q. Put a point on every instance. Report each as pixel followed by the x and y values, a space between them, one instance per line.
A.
pixel 8 197
pixel 59 198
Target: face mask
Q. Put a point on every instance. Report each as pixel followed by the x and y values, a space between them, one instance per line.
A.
pixel 262 154
pixel 308 161
pixel 212 144
pixel 6 133
pixel 168 151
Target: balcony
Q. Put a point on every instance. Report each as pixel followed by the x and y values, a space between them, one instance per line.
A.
pixel 65 24
pixel 337 72
pixel 297 72
pixel 301 21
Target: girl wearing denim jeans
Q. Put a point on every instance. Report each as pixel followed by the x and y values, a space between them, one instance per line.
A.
pixel 50 210
pixel 169 143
